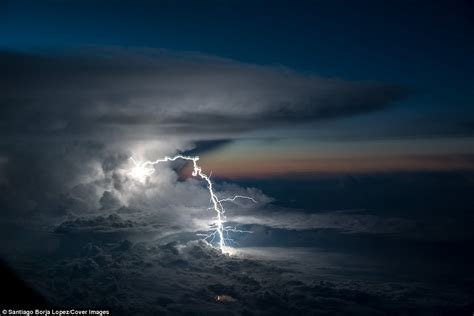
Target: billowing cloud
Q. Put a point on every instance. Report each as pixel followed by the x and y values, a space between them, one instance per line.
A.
pixel 175 279
pixel 69 122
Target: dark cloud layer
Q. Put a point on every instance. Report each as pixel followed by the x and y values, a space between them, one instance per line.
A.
pixel 181 279
pixel 117 92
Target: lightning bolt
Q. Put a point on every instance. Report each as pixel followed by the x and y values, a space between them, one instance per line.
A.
pixel 141 170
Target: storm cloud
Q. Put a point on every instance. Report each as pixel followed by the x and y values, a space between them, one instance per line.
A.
pixel 70 120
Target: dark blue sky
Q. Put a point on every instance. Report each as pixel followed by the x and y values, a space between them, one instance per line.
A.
pixel 423 42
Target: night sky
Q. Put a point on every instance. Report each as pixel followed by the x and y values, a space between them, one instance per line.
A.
pixel 350 123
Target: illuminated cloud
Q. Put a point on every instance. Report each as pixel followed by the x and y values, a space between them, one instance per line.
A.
pixel 71 120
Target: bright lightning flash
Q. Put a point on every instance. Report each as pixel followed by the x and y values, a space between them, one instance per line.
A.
pixel 142 170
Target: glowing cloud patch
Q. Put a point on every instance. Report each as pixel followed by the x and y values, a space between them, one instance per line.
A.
pixel 142 170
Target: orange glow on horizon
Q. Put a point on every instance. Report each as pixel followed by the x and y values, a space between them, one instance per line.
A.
pixel 257 168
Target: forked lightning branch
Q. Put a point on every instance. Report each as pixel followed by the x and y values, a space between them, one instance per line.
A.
pixel 218 230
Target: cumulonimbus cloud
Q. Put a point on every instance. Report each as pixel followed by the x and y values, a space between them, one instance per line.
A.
pixel 69 120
